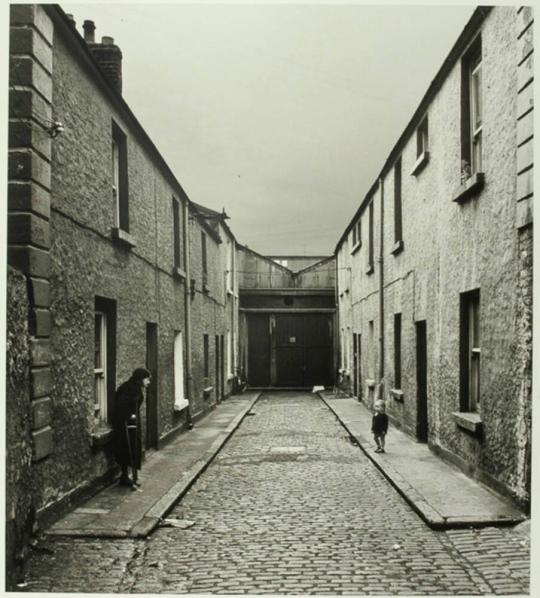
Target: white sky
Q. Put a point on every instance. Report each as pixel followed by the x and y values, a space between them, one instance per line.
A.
pixel 281 113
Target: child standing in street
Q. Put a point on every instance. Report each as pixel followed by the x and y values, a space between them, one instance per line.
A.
pixel 379 425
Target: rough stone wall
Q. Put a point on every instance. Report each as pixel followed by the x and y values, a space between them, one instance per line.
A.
pixel 86 263
pixel 451 248
pixel 19 502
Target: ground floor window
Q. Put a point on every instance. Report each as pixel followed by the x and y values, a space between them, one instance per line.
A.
pixel 179 390
pixel 470 351
pixel 100 365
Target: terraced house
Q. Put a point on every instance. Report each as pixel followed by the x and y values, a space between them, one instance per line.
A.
pixel 111 266
pixel 435 267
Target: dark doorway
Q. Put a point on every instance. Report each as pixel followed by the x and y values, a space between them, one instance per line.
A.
pixel 151 391
pixel 357 365
pixel 217 354
pixel 222 366
pixel 258 350
pixel 290 350
pixel 421 382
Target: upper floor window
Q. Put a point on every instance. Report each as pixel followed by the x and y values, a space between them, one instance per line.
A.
pixel 471 111
pixel 177 239
pixel 230 266
pixel 356 235
pixel 204 259
pixel 398 218
pixel 397 351
pixel 422 138
pixel 120 178
pixel 206 356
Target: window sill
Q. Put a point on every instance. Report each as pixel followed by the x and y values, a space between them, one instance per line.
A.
pixel 122 237
pixel 469 421
pixel 420 163
pixel 370 383
pixel 356 247
pixel 179 273
pixel 397 394
pixel 181 404
pixel 370 269
pixel 397 248
pixel 471 187
pixel 101 436
pixel 207 392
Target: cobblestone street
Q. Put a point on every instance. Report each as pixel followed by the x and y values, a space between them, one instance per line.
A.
pixel 290 505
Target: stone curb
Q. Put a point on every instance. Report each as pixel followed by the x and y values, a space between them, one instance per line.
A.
pixel 418 502
pixel 151 519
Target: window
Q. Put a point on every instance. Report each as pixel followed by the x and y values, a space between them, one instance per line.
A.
pixel 470 351
pixel 204 259
pixel 206 357
pixel 356 233
pixel 397 351
pixel 230 266
pixel 371 263
pixel 177 240
pixel 104 356
pixel 100 365
pixel 422 138
pixel 471 111
pixel 120 179
pixel 179 381
pixel 398 223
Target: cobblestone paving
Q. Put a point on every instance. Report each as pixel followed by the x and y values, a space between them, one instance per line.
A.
pixel 290 505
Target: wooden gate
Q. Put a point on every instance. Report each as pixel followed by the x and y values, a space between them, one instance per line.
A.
pixel 290 350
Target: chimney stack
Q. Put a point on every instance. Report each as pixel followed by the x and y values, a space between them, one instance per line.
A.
pixel 71 19
pixel 107 55
pixel 89 29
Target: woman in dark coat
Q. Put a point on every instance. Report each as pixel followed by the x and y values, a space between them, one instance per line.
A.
pixel 127 425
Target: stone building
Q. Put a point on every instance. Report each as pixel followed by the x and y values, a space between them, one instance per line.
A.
pixel 435 267
pixel 287 321
pixel 110 267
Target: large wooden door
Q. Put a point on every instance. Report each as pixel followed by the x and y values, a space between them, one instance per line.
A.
pixel 303 350
pixel 258 350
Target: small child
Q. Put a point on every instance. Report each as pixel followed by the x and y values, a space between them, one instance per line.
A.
pixel 379 425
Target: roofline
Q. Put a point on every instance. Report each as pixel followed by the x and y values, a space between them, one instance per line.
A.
pixel 460 45
pixel 264 257
pixel 316 265
pixel 70 33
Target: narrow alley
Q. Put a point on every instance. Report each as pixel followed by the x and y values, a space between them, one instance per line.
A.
pixel 290 505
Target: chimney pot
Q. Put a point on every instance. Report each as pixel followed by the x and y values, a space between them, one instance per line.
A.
pixel 89 29
pixel 107 41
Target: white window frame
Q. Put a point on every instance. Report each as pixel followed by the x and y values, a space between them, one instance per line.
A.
pixel 475 106
pixel 116 181
pixel 100 366
pixel 180 401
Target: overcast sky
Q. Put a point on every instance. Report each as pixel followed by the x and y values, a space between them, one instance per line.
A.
pixel 282 114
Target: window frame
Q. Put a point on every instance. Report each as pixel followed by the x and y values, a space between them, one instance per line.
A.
pixel 470 352
pixel 471 109
pixel 398 208
pixel 371 240
pixel 204 260
pixel 100 365
pixel 178 255
pixel 120 191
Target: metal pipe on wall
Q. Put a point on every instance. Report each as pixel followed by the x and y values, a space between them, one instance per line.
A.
pixel 187 310
pixel 381 293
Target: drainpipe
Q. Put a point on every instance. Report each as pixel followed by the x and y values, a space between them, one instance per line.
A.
pixel 233 307
pixel 381 294
pixel 187 307
pixel 337 320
